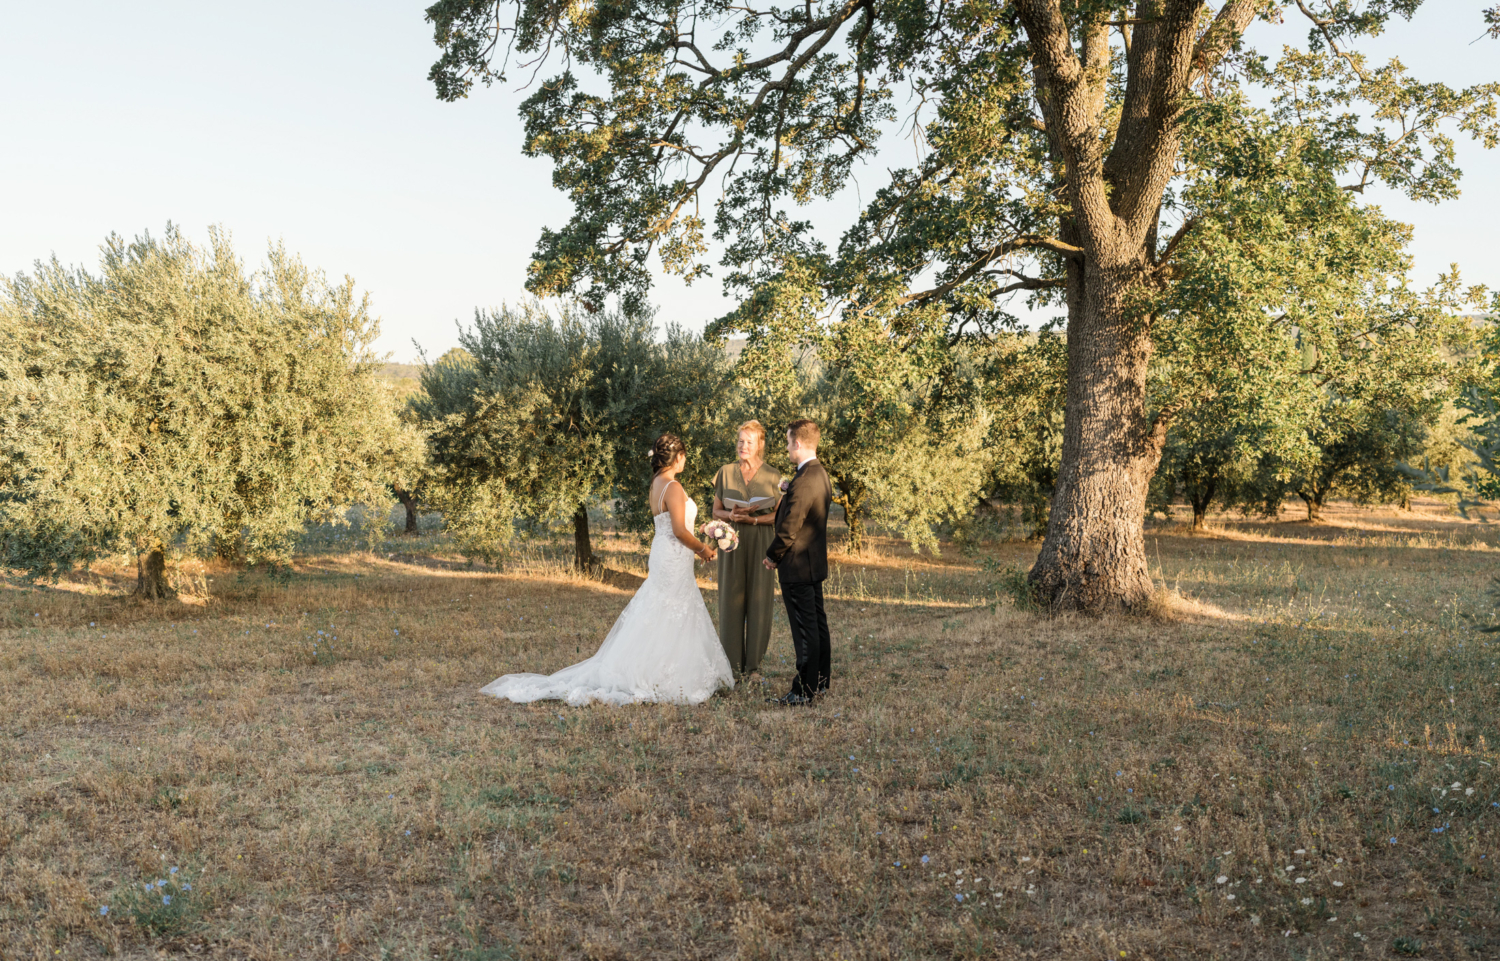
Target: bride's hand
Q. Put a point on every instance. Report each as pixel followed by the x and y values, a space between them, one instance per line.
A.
pixel 708 553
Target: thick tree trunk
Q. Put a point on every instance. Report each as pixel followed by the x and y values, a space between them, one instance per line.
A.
pixel 151 575
pixel 583 548
pixel 1314 502
pixel 1094 555
pixel 410 503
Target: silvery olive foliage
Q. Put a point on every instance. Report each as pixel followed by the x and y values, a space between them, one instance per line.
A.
pixel 173 402
pixel 905 415
pixel 544 414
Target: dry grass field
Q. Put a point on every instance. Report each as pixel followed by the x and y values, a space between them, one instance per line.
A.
pixel 1297 759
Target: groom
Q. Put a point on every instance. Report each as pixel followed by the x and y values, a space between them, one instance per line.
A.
pixel 799 555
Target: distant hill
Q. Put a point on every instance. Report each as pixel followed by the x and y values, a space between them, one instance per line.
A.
pixel 404 378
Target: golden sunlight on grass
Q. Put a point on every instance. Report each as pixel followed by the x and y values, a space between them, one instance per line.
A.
pixel 1294 758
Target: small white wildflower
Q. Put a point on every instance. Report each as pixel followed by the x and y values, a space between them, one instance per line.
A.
pixel 1300 881
pixel 1338 884
pixel 1307 900
pixel 1468 791
pixel 1229 897
pixel 1300 851
pixel 1222 878
pixel 1255 919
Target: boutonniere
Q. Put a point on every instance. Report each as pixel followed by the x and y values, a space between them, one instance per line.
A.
pixel 784 485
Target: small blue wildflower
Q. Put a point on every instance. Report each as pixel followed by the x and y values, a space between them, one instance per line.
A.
pixel 187 887
pixel 1393 840
pixel 104 910
pixel 924 859
pixel 1390 787
pixel 958 897
pixel 172 871
pixel 166 899
pixel 408 833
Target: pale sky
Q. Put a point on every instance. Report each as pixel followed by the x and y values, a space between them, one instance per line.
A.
pixel 314 123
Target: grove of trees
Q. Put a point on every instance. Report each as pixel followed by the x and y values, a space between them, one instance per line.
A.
pixel 1178 194
pixel 174 402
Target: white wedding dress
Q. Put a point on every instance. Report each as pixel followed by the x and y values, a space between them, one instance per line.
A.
pixel 663 646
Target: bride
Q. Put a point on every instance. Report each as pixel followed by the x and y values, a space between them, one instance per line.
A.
pixel 663 646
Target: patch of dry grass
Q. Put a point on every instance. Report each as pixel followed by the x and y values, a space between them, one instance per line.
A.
pixel 981 783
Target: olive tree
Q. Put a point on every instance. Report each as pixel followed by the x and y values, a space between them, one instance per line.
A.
pixel 541 416
pixel 175 402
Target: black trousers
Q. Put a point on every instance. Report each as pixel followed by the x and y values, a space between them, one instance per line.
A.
pixel 810 637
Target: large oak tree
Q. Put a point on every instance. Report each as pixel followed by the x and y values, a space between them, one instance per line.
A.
pixel 1059 147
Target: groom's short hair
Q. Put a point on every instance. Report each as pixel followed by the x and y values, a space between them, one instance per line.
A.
pixel 804 432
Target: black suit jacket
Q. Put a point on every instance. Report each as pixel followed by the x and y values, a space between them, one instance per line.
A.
pixel 800 548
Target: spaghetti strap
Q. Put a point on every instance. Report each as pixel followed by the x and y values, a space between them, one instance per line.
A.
pixel 657 513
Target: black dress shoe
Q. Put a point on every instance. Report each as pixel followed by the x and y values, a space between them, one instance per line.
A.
pixel 792 699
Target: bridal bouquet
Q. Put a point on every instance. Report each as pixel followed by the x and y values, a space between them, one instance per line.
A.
pixel 722 534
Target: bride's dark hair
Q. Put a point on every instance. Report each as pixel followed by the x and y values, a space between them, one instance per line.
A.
pixel 664 452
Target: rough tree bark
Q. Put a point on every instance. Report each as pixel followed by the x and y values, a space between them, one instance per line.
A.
pixel 151 575
pixel 854 515
pixel 1201 495
pixel 583 548
pixel 410 503
pixel 1314 501
pixel 1094 555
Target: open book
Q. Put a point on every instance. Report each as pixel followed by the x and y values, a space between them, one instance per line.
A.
pixel 753 504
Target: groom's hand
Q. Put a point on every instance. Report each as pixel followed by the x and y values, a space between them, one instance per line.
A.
pixel 767 561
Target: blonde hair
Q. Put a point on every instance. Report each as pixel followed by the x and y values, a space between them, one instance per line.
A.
pixel 754 427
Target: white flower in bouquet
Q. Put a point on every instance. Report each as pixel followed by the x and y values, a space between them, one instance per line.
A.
pixel 722 534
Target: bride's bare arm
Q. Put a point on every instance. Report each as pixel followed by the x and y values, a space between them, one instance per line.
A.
pixel 677 509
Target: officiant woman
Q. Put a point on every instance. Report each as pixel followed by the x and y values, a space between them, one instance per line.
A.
pixel 746 588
